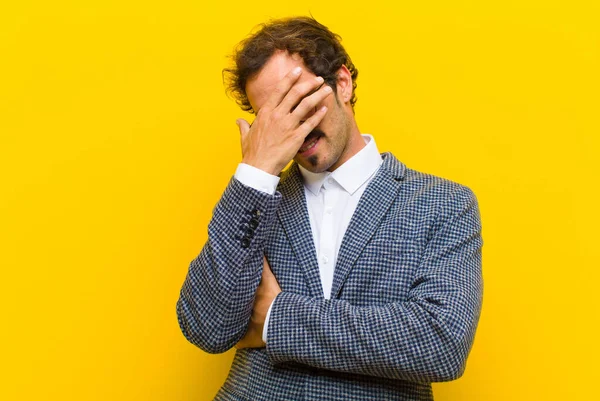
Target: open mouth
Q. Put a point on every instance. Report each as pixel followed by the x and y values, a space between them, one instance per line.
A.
pixel 311 142
pixel 308 145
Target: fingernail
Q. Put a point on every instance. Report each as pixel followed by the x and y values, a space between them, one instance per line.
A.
pixel 297 70
pixel 319 79
pixel 327 89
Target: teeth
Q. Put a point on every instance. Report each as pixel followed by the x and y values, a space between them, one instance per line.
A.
pixel 310 145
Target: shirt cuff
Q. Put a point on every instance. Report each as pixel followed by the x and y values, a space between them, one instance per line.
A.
pixel 266 325
pixel 256 178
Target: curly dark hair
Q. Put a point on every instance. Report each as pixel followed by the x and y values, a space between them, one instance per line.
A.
pixel 319 48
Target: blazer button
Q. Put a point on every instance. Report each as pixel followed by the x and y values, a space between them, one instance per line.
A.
pixel 253 223
pixel 245 243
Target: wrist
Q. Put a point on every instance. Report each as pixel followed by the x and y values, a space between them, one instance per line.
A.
pixel 266 167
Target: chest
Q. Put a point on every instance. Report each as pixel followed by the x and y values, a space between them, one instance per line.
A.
pixel 382 271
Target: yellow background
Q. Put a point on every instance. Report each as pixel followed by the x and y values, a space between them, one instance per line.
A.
pixel 117 140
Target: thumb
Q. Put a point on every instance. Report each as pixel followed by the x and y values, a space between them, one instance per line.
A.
pixel 243 126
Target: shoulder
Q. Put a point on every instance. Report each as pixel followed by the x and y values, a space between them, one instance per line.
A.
pixel 427 188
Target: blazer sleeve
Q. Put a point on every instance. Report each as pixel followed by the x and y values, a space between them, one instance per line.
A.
pixel 427 338
pixel 216 299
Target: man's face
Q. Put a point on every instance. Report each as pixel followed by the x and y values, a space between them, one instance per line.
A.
pixel 333 132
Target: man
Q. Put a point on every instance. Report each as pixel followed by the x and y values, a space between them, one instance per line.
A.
pixel 348 276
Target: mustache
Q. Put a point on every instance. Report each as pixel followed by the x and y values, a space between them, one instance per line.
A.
pixel 316 133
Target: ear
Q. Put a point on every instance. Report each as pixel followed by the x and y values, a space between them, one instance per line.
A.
pixel 344 84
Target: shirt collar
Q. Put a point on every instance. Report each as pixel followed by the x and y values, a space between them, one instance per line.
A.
pixel 352 174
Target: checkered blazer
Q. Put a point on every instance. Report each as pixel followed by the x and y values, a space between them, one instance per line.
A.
pixel 404 305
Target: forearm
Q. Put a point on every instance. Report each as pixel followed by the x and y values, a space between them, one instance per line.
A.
pixel 216 298
pixel 400 340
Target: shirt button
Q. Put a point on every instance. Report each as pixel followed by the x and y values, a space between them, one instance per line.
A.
pixel 325 259
pixel 330 180
pixel 329 210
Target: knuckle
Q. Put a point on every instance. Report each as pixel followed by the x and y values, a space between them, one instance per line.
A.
pixel 305 105
pixel 296 91
pixel 310 123
pixel 275 115
pixel 304 127
pixel 300 107
pixel 261 112
pixel 308 102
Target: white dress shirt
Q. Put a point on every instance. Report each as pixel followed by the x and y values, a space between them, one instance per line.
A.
pixel 331 198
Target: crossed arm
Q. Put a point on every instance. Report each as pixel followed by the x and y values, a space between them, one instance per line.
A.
pixel 426 338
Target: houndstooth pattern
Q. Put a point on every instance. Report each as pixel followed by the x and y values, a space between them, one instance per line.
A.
pixel 406 294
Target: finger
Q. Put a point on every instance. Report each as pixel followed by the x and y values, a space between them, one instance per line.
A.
pixel 243 126
pixel 298 92
pixel 308 104
pixel 307 126
pixel 282 88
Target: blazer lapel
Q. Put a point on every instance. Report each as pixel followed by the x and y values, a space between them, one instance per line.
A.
pixel 374 203
pixel 293 215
